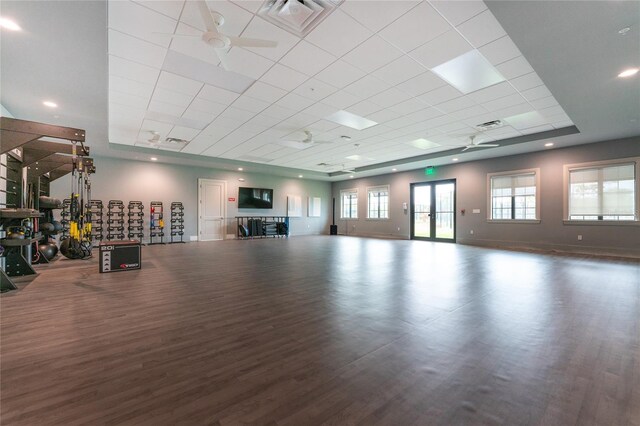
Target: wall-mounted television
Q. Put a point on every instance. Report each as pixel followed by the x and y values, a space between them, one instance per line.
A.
pixel 255 198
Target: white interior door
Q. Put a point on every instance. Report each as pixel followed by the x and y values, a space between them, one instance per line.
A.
pixel 211 209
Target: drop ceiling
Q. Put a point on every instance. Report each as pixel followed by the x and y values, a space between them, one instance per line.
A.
pixel 376 60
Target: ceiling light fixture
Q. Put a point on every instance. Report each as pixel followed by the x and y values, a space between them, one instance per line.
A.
pixel 454 159
pixel 241 179
pixel 629 72
pixel 394 170
pixel 548 144
pixel 50 104
pixel 300 176
pixel 153 159
pixel 351 176
pixel 624 30
pixel 9 24
pixel 240 169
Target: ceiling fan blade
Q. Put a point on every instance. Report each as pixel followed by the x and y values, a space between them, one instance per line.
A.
pixel 222 55
pixel 467 147
pixel 251 42
pixel 486 145
pixel 207 17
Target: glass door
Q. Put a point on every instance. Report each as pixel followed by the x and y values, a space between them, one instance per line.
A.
pixel 433 210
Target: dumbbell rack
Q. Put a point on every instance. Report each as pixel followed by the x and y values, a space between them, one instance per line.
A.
pixel 64 220
pixel 156 222
pixel 115 220
pixel 136 220
pixel 96 213
pixel 177 221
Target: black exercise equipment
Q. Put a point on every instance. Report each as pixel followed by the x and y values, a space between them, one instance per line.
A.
pixel 96 213
pixel 177 221
pixel 156 222
pixel 115 220
pixel 135 221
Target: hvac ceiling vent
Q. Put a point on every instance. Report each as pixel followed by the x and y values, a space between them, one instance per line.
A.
pixel 298 17
pixel 489 125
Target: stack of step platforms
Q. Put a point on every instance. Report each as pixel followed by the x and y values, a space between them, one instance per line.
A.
pixel 115 220
pixel 177 222
pixel 156 223
pixel 135 221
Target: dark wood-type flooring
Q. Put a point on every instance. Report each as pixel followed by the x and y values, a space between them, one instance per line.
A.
pixel 325 330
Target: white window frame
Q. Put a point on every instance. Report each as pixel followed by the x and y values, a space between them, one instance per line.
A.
pixel 536 173
pixel 598 164
pixel 351 190
pixel 376 189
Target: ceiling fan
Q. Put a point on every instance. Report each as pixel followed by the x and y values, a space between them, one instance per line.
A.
pixel 219 41
pixel 156 141
pixel 307 142
pixel 478 144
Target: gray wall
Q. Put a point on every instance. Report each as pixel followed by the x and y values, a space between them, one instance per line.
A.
pixel 551 233
pixel 148 181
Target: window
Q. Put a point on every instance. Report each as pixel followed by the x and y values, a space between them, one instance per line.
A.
pixel 378 202
pixel 514 195
pixel 602 191
pixel 349 203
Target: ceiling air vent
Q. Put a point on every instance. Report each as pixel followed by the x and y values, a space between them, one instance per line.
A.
pixel 489 125
pixel 298 17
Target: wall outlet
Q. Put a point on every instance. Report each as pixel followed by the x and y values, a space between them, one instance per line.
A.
pixel 193 238
pixel 471 232
pixel 579 237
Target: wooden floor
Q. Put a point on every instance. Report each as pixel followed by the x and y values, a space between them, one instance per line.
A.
pixel 325 330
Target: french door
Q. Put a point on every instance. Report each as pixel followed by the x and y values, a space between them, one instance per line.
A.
pixel 433 210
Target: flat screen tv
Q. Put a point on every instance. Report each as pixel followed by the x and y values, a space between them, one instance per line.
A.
pixel 255 198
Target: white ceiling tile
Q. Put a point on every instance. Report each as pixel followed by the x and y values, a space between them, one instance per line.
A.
pixel 364 108
pixel 320 110
pixel 261 29
pixel 456 12
pixel 537 129
pixel 278 112
pixel 513 110
pixel 199 144
pixel 562 124
pixel 340 74
pixel 237 114
pixel 248 103
pixel 247 63
pixel 536 93
pixel 481 29
pixel 422 83
pixel 132 70
pixel 441 94
pixel 131 87
pixel 338 33
pixel 456 104
pixel 218 95
pixel 527 81
pixel 202 116
pixel 472 111
pixel 314 89
pixel 341 99
pixel 136 50
pixel 493 92
pixel 183 133
pixel 399 123
pixel 252 6
pixel 235 17
pixel 166 108
pixel 553 113
pixel 424 114
pixel 500 50
pixel 549 101
pixel 409 106
pixel 389 97
pixel 295 102
pixel 139 21
pixel 505 102
pixel 441 49
pixel 170 8
pixel 376 15
pixel 209 107
pixel 149 126
pixel 171 97
pixel 402 69
pixel 127 99
pixel 179 84
pixel 193 46
pixel 372 54
pixel 265 92
pixel 526 120
pixel 514 68
pixel 367 87
pixel 323 125
pixel 283 77
pixel 422 24
pixel 307 58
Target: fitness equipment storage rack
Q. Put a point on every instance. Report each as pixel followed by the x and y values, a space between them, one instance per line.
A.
pixel 156 222
pixel 96 216
pixel 177 221
pixel 64 214
pixel 262 226
pixel 115 220
pixel 135 221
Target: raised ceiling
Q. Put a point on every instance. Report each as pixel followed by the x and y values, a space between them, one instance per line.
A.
pixel 575 48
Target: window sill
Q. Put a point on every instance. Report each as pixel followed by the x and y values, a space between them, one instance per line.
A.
pixel 527 221
pixel 348 218
pixel 602 222
pixel 378 218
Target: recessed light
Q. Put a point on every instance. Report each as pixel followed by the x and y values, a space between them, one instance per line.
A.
pixel 548 144
pixel 629 72
pixel 153 159
pixel 349 119
pixel 394 170
pixel 300 176
pixel 9 24
pixel 469 72
pixel 50 104
pixel 240 169
pixel 454 159
pixel 624 30
pixel 351 176
pixel 241 179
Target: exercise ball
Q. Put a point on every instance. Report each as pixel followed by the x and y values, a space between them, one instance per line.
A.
pixel 48 250
pixel 57 226
pixel 47 227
